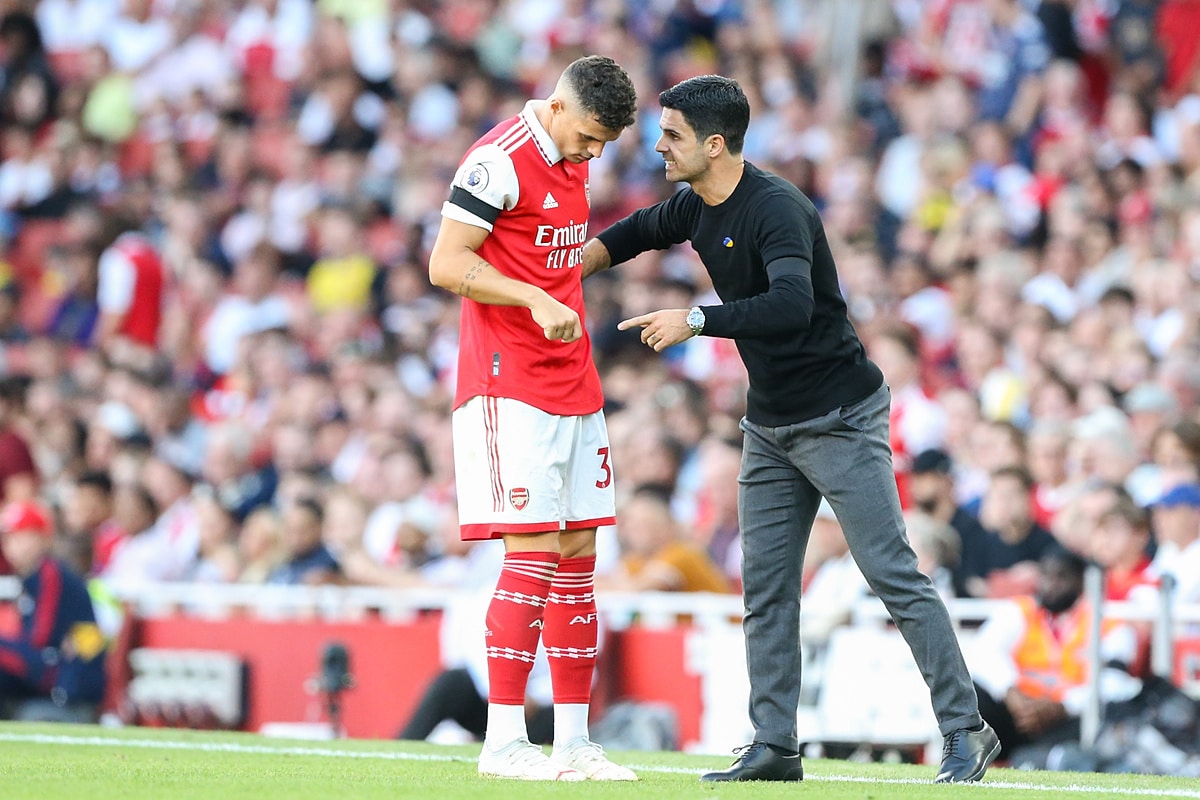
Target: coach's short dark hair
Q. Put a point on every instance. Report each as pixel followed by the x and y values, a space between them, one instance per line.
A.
pixel 711 104
pixel 604 90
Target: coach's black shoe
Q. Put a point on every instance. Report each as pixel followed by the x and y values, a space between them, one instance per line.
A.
pixel 966 754
pixel 760 761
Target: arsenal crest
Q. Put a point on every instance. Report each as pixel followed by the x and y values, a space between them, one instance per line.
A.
pixel 519 498
pixel 587 191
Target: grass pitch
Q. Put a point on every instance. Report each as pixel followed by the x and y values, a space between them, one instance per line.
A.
pixel 65 762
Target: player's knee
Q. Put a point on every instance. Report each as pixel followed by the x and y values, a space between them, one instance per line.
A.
pixel 577 544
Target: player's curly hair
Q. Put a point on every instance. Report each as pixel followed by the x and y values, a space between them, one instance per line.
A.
pixel 711 104
pixel 604 90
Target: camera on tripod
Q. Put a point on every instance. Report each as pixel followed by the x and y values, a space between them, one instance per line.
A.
pixel 333 679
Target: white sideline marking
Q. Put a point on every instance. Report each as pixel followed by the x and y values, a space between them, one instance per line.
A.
pixel 1075 788
pixel 384 755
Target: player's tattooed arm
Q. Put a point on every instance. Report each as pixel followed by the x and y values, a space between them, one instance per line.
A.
pixel 456 266
pixel 472 274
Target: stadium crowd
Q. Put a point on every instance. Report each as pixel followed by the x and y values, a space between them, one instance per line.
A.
pixel 223 360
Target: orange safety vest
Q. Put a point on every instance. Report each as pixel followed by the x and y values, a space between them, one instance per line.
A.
pixel 1049 665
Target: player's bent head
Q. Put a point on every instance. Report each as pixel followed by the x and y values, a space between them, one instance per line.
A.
pixel 603 90
pixel 711 104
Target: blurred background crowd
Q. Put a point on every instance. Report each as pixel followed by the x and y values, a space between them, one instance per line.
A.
pixel 223 361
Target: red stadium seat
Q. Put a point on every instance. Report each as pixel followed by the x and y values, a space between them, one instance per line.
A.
pixel 136 156
pixel 267 96
pixel 268 145
pixel 67 65
pixel 28 253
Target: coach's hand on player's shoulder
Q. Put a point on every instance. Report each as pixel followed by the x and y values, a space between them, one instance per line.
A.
pixel 557 320
pixel 661 329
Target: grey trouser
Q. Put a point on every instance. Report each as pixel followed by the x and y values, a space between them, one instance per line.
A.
pixel 845 457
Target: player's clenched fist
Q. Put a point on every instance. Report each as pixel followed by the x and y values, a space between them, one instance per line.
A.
pixel 557 320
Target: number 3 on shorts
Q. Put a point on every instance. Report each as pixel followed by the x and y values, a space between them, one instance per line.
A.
pixel 605 467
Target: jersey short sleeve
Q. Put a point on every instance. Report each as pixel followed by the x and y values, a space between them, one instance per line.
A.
pixel 484 185
pixel 117 277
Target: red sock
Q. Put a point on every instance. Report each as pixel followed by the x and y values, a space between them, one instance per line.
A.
pixel 570 631
pixel 514 623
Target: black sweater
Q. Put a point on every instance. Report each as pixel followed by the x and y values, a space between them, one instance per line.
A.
pixel 766 251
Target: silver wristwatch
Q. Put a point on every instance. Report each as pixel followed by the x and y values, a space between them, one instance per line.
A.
pixel 695 320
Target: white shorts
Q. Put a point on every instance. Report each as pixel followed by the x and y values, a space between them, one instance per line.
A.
pixel 521 470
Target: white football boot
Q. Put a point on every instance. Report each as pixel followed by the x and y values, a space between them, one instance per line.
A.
pixel 583 755
pixel 522 760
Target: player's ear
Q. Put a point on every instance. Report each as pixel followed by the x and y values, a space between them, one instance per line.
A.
pixel 714 145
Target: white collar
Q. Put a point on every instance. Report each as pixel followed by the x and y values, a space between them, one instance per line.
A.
pixel 541 136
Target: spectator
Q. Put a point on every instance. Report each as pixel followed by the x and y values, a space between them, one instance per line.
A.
pixel 1030 664
pixel 1121 546
pixel 239 487
pixel 217 558
pixel 1046 454
pixel 715 525
pixel 833 582
pixel 260 545
pixel 77 312
pixel 654 457
pixel 1174 455
pixel 253 305
pixel 932 491
pixel 131 290
pixel 1002 445
pixel 342 277
pixel 654 554
pixel 12 331
pixel 916 422
pixel 59 652
pixel 1103 447
pixel 308 562
pixel 1017 41
pixel 71 26
pixel 176 529
pixel 1150 407
pixel 345 521
pixel 1176 521
pixel 113 428
pixel 1076 523
pixel 90 532
pixel 137 36
pixel 165 410
pixel 1003 562
pixel 28 89
pixel 137 554
pixel 26 177
pixel 18 473
pixel 398 529
pixel 938 549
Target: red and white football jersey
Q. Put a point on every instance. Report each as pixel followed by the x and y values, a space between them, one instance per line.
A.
pixel 515 183
pixel 132 282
